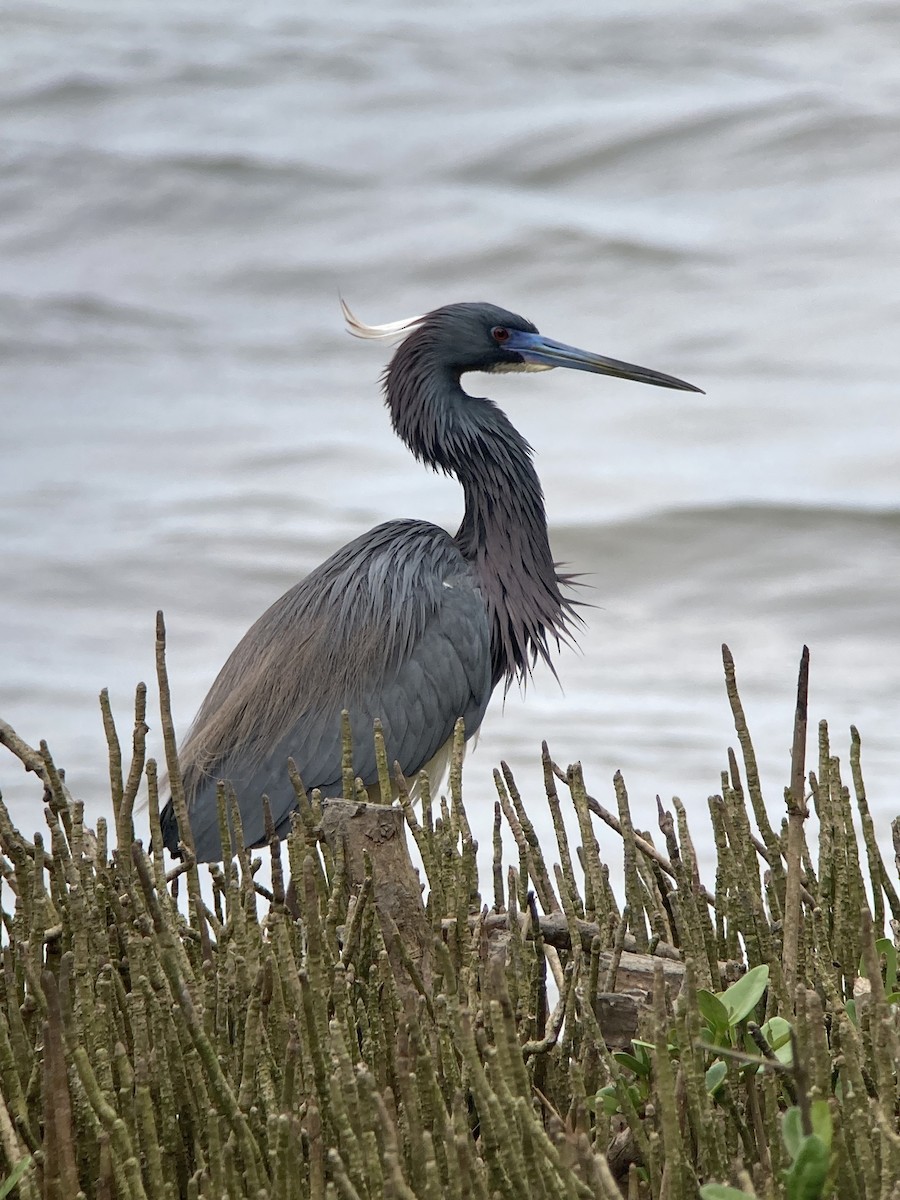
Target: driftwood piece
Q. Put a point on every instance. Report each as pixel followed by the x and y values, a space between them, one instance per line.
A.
pixel 618 1012
pixel 555 932
pixel 379 830
pixel 618 1015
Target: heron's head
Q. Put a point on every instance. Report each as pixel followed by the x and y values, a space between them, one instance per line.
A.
pixel 484 337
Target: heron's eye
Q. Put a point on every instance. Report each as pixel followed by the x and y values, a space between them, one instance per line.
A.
pixel 499 334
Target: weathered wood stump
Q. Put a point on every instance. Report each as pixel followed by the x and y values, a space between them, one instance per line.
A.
pixel 379 830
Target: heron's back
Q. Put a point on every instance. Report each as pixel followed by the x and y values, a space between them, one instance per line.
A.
pixel 392 626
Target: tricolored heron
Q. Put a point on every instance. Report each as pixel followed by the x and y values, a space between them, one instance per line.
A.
pixel 407 623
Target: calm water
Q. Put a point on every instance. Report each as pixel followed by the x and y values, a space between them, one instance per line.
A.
pixel 715 193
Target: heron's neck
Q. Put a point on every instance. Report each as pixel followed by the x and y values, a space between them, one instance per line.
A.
pixel 504 529
pixel 504 522
pixel 504 536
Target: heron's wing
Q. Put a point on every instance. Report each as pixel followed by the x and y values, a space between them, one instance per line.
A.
pixel 394 627
pixel 447 675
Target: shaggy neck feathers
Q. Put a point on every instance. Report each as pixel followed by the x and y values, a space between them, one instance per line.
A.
pixel 503 534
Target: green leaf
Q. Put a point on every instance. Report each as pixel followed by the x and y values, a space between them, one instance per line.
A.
pixel 805 1180
pixel 744 995
pixel 713 1011
pixel 886 947
pixel 642 1052
pixel 638 1066
pixel 11 1180
pixel 792 1128
pixel 820 1115
pixel 719 1191
pixel 792 1131
pixel 607 1099
pixel 715 1076
pixel 777 1033
pixel 643 1049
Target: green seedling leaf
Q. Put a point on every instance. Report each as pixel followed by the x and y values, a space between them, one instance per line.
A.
pixel 715 1076
pixel 885 949
pixel 743 996
pixel 851 1012
pixel 606 1099
pixel 720 1191
pixel 640 1067
pixel 820 1115
pixel 792 1131
pixel 713 1011
pixel 805 1179
pixel 643 1049
pixel 777 1033
pixel 11 1180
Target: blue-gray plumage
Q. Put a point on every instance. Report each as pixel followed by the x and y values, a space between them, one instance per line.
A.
pixel 406 623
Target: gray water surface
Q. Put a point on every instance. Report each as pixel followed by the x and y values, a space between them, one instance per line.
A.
pixel 709 191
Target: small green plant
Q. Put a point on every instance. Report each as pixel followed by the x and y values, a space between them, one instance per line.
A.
pixel 725 1011
pixel 887 953
pixel 724 1014
pixel 810 1153
pixel 609 1099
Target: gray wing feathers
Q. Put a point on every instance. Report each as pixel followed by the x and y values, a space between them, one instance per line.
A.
pixel 405 635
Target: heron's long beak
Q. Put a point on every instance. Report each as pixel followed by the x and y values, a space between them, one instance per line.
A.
pixel 544 352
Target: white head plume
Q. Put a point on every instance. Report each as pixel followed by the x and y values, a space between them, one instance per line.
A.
pixel 393 329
